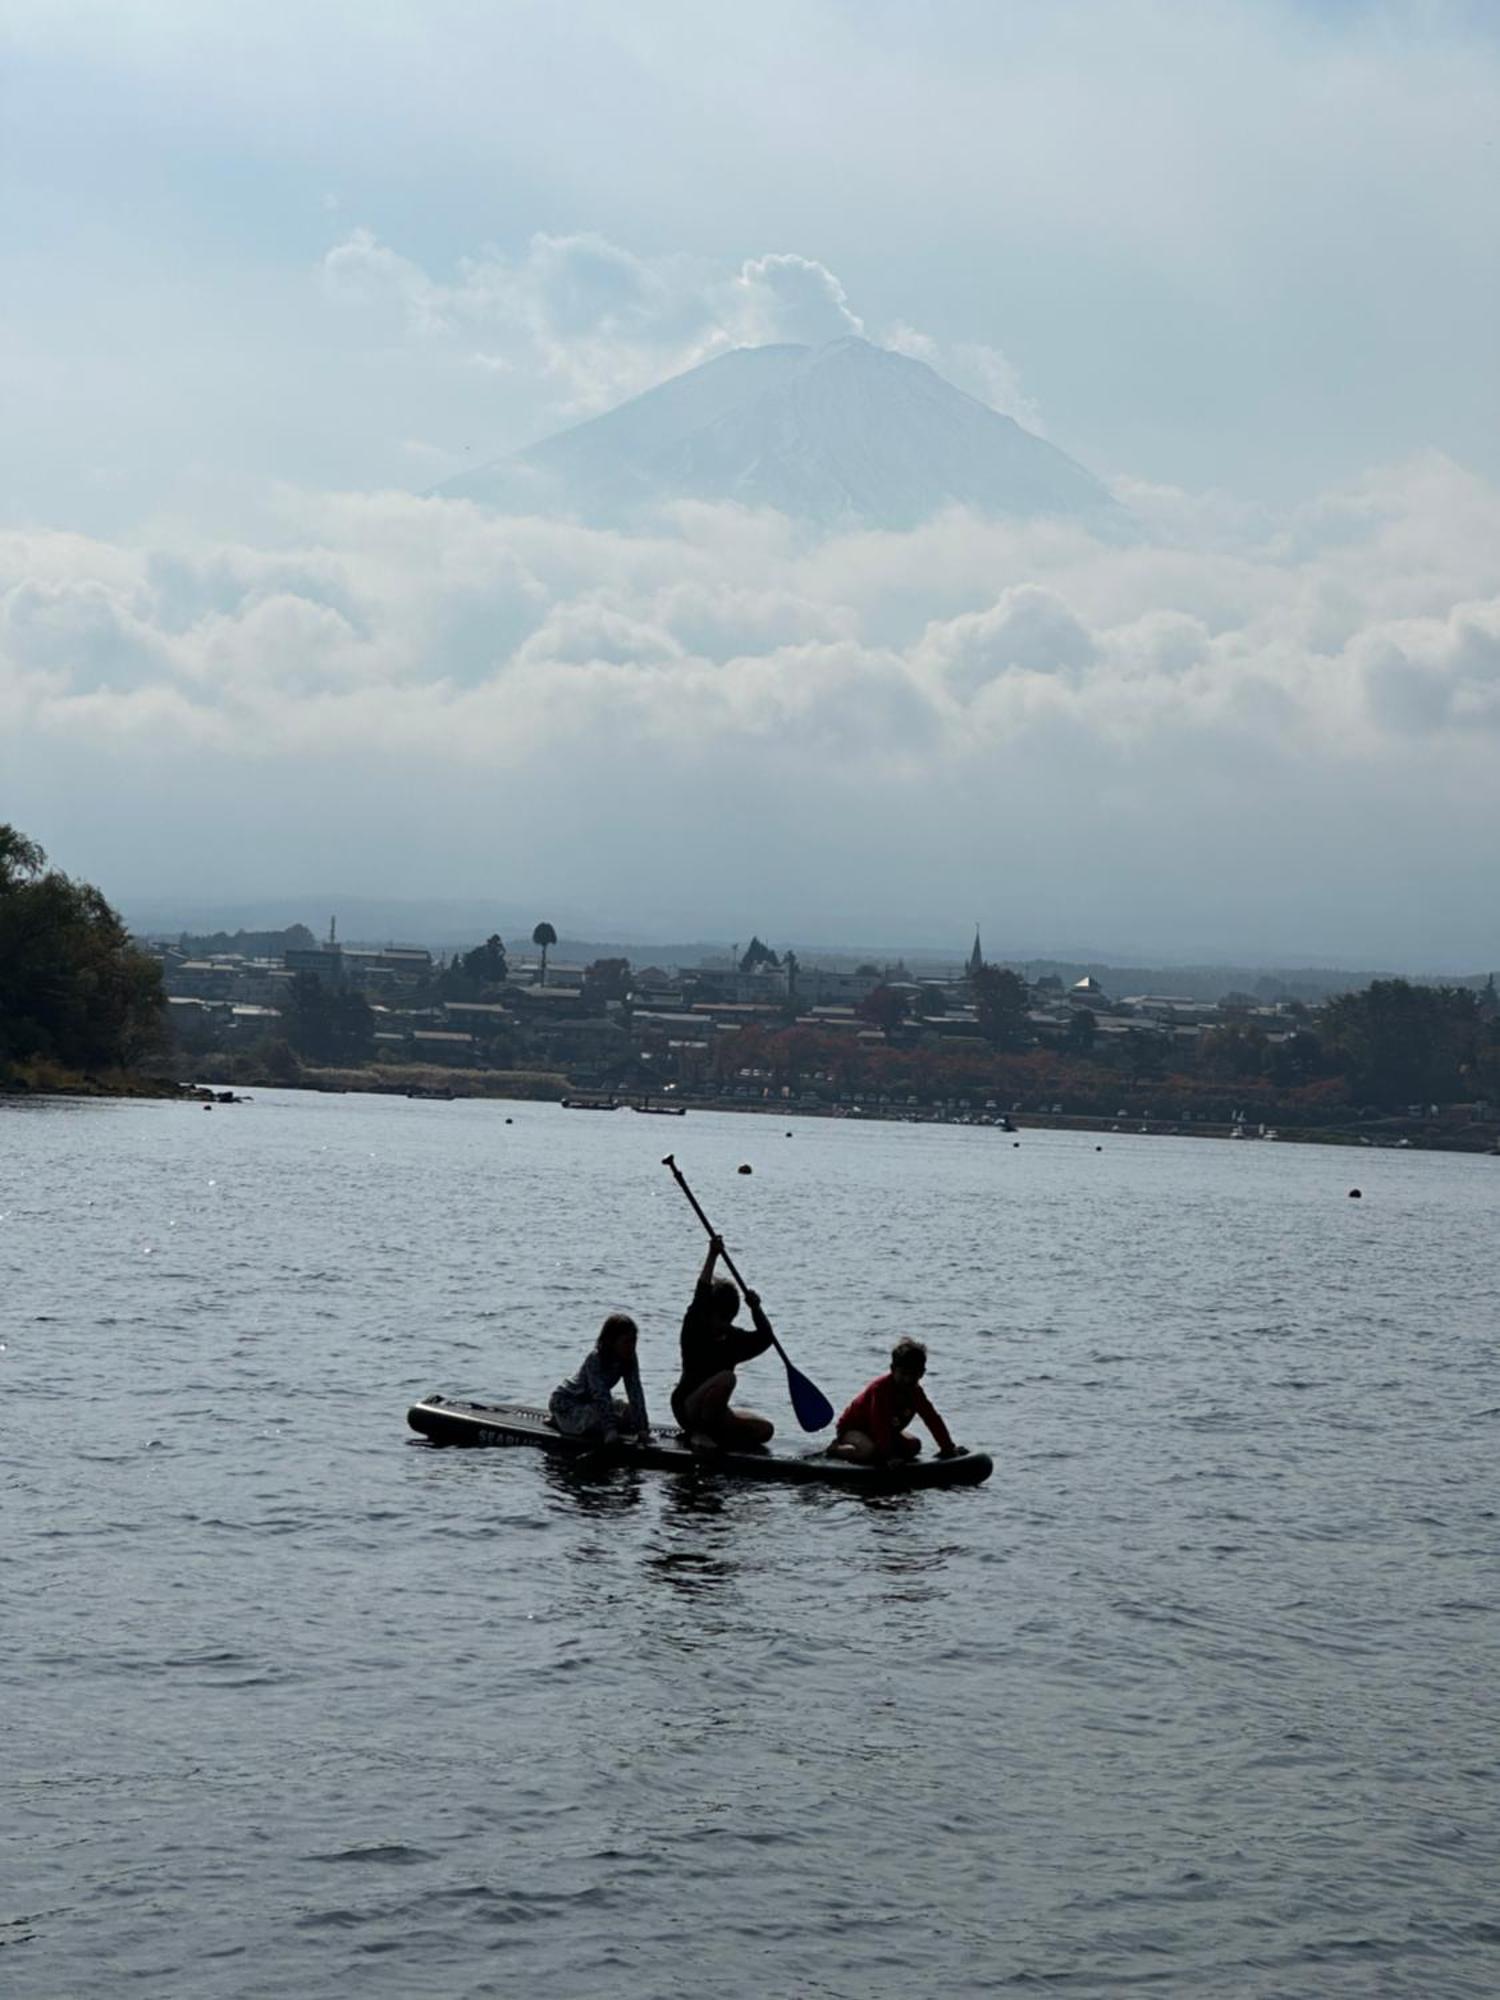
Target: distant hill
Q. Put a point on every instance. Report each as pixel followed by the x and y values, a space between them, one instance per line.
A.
pixel 846 435
pixel 246 944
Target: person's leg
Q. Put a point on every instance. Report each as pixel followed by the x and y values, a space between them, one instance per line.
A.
pixel 744 1430
pixel 854 1445
pixel 702 1411
pixel 574 1420
pixel 906 1446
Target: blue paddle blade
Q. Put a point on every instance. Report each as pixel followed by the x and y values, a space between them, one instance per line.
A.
pixel 814 1411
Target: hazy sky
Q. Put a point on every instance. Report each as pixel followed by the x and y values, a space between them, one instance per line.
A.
pixel 273 272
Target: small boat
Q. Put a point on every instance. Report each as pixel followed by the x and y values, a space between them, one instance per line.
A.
pixel 452 1421
pixel 661 1110
pixel 590 1104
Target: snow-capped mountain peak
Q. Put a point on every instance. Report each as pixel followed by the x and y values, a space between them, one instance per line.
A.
pixel 843 435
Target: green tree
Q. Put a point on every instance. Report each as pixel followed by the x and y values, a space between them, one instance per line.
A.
pixel 1000 1006
pixel 326 1026
pixel 545 937
pixel 1398 1043
pixel 74 989
pixel 476 974
pixel 605 980
pixel 1083 1031
pixel 757 954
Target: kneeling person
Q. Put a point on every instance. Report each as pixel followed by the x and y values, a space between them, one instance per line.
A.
pixel 586 1406
pixel 712 1348
pixel 872 1431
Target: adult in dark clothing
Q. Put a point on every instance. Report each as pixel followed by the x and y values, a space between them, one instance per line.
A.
pixel 712 1349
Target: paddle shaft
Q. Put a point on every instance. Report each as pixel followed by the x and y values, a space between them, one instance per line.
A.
pixel 814 1411
pixel 729 1263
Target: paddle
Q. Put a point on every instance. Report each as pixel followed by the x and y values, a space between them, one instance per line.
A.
pixel 814 1411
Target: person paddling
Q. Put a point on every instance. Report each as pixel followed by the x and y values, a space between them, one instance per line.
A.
pixel 872 1431
pixel 712 1349
pixel 585 1405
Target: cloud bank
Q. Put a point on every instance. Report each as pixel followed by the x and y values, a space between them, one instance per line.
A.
pixel 1242 733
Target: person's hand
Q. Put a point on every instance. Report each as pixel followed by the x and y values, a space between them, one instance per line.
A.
pixel 716 1244
pixel 752 1299
pixel 954 1451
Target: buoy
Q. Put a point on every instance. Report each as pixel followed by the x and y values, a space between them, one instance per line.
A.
pixel 1354 1195
pixel 510 1121
pixel 745 1170
pixel 789 1135
pixel 1098 1149
pixel 1015 1145
pixel 208 1107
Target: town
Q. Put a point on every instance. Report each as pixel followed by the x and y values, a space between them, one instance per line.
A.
pixel 1399 1063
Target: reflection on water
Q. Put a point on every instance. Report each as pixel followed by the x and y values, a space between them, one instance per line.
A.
pixel 599 1486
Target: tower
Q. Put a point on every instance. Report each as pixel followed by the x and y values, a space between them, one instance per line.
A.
pixel 976 957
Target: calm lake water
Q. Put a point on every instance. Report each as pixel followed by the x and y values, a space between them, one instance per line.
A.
pixel 1200 1694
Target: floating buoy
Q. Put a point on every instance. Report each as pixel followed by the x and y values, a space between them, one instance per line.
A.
pixel 208 1107
pixel 1098 1149
pixel 510 1121
pixel 789 1135
pixel 746 1170
pixel 1015 1145
pixel 1355 1195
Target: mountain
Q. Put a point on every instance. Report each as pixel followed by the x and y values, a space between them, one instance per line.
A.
pixel 846 435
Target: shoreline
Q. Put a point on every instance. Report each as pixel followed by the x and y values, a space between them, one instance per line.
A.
pixel 431 1083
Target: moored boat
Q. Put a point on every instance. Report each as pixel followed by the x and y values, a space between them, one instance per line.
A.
pixel 454 1421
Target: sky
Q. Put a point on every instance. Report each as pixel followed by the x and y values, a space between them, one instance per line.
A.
pixel 273 274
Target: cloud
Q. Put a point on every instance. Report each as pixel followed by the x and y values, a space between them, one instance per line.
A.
pixel 973 716
pixel 591 323
pixel 790 298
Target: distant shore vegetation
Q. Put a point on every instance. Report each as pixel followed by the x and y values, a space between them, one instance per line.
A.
pixel 80 1005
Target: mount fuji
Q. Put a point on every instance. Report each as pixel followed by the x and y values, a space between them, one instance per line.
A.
pixel 841 436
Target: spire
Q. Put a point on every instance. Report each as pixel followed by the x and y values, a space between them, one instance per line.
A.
pixel 976 956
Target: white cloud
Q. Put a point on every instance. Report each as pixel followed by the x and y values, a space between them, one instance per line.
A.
pixel 791 298
pixel 994 716
pixel 590 323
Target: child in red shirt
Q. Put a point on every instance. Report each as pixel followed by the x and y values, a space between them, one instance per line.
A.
pixel 873 1428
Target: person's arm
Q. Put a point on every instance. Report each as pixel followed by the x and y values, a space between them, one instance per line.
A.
pixel 946 1447
pixel 636 1397
pixel 601 1398
pixel 745 1343
pixel 715 1252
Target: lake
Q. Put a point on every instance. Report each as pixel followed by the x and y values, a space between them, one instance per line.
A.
pixel 1200 1694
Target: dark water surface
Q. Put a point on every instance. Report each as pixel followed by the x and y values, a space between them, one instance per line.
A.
pixel 1200 1694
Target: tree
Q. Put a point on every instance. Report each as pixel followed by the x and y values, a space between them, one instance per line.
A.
pixel 74 989
pixel 605 980
pixel 1000 1004
pixel 1235 1050
pixel 1399 1043
pixel 1083 1030
pixel 546 937
pixel 476 973
pixel 756 955
pixel 325 1025
pixel 883 1008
